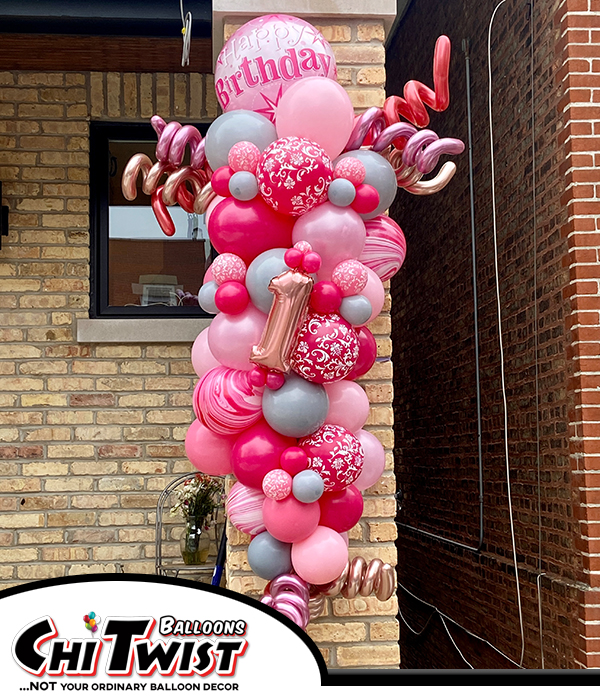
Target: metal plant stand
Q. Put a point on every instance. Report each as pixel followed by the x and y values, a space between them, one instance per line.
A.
pixel 211 571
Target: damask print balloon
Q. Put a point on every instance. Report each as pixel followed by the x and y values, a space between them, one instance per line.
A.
pixel 326 349
pixel 336 454
pixel 293 175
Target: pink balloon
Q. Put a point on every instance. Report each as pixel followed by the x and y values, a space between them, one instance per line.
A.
pixel 367 353
pixel 228 268
pixel 341 510
pixel 335 454
pixel 289 520
pixel 375 293
pixel 208 452
pixel 231 338
pixel 335 233
pixel 209 210
pixel 257 452
pixel 244 509
pixel 265 57
pixel 249 228
pixel 321 557
pixel 374 463
pixel 385 247
pixel 348 405
pixel 317 109
pixel 202 358
pixel 208 275
pixel 226 401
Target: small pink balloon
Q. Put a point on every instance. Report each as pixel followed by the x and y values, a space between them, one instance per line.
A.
pixel 258 376
pixel 351 277
pixel 317 109
pixel 321 557
pixel 293 257
pixel 244 155
pixel 350 169
pixel 374 463
pixel 374 292
pixel 202 358
pixel 228 267
pixel 303 246
pixel 325 298
pixel 275 381
pixel 277 484
pixel 312 262
pixel 348 405
pixel 220 180
pixel 231 298
pixel 290 520
pixel 208 452
pixel 294 460
pixel 366 200
pixel 244 509
pixel 335 233
pixel 231 338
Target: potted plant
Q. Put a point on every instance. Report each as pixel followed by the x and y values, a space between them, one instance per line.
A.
pixel 197 499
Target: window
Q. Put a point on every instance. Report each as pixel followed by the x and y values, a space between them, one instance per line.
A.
pixel 136 270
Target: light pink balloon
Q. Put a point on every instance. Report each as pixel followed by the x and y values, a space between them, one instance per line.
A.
pixel 348 405
pixel 265 57
pixel 375 293
pixel 202 358
pixel 374 463
pixel 335 233
pixel 208 452
pixel 321 557
pixel 231 338
pixel 289 520
pixel 317 109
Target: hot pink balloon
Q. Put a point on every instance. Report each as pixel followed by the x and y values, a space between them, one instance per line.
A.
pixel 348 405
pixel 257 452
pixel 321 557
pixel 341 510
pixel 231 338
pixel 202 358
pixel 367 353
pixel 249 228
pixel 265 57
pixel 374 463
pixel 244 509
pixel 289 520
pixel 226 401
pixel 317 109
pixel 385 247
pixel 209 210
pixel 208 452
pixel 335 454
pixel 335 233
pixel 375 293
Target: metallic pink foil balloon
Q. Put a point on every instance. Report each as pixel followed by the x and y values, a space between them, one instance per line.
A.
pixel 385 247
pixel 208 452
pixel 336 454
pixel 264 57
pixel 232 337
pixel 335 233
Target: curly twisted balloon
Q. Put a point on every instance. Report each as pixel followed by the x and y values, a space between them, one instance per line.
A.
pixel 289 594
pixel 173 139
pixel 358 578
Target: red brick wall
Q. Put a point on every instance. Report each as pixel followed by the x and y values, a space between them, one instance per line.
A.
pixel 434 382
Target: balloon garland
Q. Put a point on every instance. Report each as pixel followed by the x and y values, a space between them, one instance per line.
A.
pixel 294 189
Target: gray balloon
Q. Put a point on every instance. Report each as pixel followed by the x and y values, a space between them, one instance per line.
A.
pixel 232 127
pixel 243 185
pixel 269 557
pixel 260 272
pixel 341 192
pixel 297 409
pixel 356 309
pixel 307 486
pixel 206 297
pixel 380 175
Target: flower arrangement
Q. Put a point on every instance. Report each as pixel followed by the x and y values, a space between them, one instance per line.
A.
pixel 197 499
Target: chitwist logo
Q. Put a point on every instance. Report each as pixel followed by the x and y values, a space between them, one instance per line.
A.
pixel 143 646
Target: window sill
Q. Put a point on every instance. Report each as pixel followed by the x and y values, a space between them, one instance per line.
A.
pixel 142 330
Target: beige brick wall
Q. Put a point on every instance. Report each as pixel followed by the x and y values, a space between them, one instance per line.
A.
pixel 89 434
pixel 359 633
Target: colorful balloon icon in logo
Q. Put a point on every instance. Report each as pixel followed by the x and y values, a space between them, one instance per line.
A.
pixel 91 621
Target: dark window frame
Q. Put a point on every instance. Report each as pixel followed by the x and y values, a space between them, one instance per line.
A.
pixel 101 133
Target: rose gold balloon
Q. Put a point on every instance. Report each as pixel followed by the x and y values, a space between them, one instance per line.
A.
pixel 178 179
pixel 292 292
pixel 360 579
pixel 316 605
pixel 204 199
pixel 137 163
pixel 436 184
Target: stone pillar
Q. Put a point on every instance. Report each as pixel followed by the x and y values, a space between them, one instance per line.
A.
pixel 359 633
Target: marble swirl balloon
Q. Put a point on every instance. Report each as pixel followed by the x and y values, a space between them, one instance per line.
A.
pixel 385 247
pixel 244 509
pixel 226 401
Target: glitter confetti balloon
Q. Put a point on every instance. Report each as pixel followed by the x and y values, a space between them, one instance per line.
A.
pixel 385 247
pixel 326 350
pixel 244 509
pixel 336 454
pixel 226 401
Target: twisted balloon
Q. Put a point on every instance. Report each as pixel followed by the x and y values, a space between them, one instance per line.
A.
pixel 289 594
pixel 358 578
